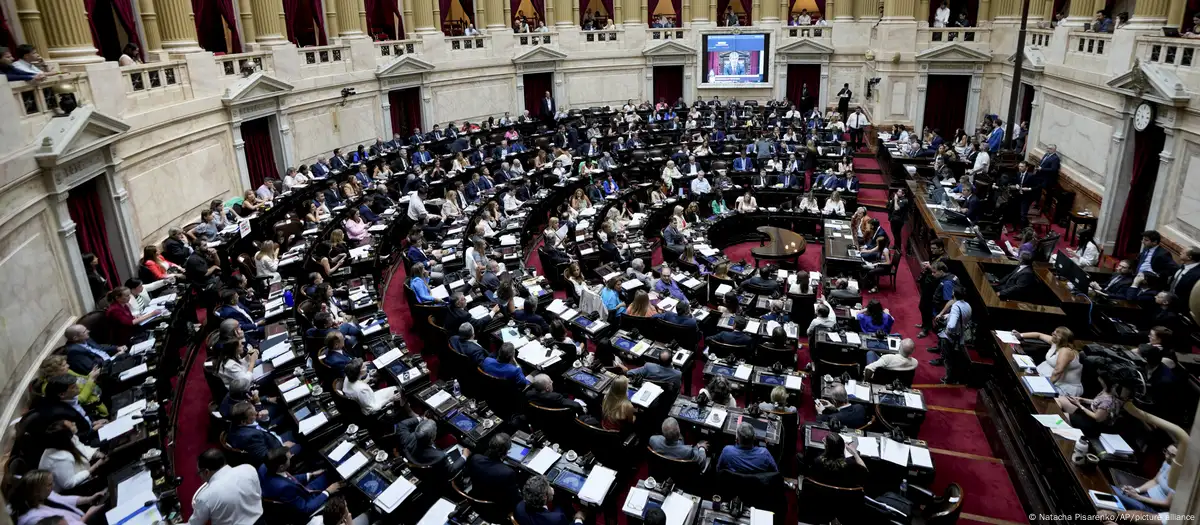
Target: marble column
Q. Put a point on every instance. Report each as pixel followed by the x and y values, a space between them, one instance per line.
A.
pixel 239 151
pixel 1162 179
pixel 177 25
pixel 153 41
pixel 494 14
pixel 922 11
pixel 1117 174
pixel 711 9
pixel 31 22
pixel 843 11
pixel 686 14
pixel 1010 9
pixel 632 12
pixel 899 9
pixel 435 16
pixel 268 20
pixel 246 14
pixel 68 36
pixel 551 15
pixel 349 23
pixel 407 9
pixel 1047 10
pixel 1149 14
pixel 331 19
pixel 1079 13
pixel 766 11
pixel 1174 13
pixel 984 13
pixel 66 233
pixel 565 13
pixel 866 9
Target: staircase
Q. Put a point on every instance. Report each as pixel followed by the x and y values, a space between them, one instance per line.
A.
pixel 873 191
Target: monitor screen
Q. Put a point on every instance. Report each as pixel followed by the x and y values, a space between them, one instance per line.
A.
pixel 303 412
pixel 693 413
pixel 630 392
pixel 463 422
pixel 817 435
pixel 760 426
pixel 736 59
pixel 876 344
pixel 517 452
pixel 582 321
pixel 586 378
pixel 771 379
pixel 570 481
pixel 625 344
pixel 891 399
pixel 372 484
pixel 722 370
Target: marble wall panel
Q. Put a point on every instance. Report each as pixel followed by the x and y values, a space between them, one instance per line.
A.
pixel 170 190
pixel 473 100
pixel 1189 199
pixel 602 88
pixel 318 130
pixel 1082 141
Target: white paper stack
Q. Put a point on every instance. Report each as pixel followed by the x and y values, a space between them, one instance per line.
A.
pixel 1039 385
pixel 142 347
pixel 117 428
pixel 387 358
pixel 557 307
pixel 894 451
pixel 395 494
pixel 752 326
pixel 678 509
pixel 794 382
pixel 853 338
pixel 437 399
pixel 724 289
pixel 647 394
pixel 743 372
pixel 545 458
pixel 1007 337
pixel 598 482
pixel 479 312
pixel 134 372
pixel 1024 361
pixel 716 417
pixel 341 450
pixel 913 400
pixel 1115 444
pixel 860 391
pixel 920 457
pixel 438 513
pixel 635 501
pixel 833 337
pixel 630 284
pixel 351 465
pixel 134 407
pixel 761 517
pixel 307 426
pixel 868 446
pixel 299 392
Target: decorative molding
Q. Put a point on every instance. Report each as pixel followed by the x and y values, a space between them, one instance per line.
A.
pixel 669 48
pixel 955 52
pixel 258 86
pixel 538 55
pixel 1150 82
pixel 402 67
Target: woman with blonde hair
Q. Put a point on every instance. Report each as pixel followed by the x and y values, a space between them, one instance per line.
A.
pixel 266 261
pixel 641 307
pixel 617 411
pixel 89 393
pixel 834 205
pixel 579 201
pixel 450 208
pixel 1062 365
pixel 677 217
pixel 460 163
pixel 33 500
pixel 574 276
pixel 551 237
pixel 540 160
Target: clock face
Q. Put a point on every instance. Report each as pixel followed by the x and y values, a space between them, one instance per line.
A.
pixel 1143 116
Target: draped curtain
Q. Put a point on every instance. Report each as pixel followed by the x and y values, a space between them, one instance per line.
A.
pixel 539 11
pixel 101 21
pixel 722 6
pixel 444 7
pixel 583 8
pixel 748 6
pixel 1147 145
pixel 676 8
pixel 946 103
pixel 797 76
pixel 260 157
pixel 1193 7
pixel 405 110
pixel 6 36
pixel 299 16
pixel 536 86
pixel 820 7
pixel 668 83
pixel 1060 7
pixel 382 17
pixel 83 204
pixel 212 17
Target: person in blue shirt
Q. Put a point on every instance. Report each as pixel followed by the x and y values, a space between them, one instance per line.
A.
pixel 742 163
pixel 611 296
pixel 610 185
pixel 776 314
pixel 875 319
pixel 504 365
pixel 665 285
pixel 996 137
pixel 746 457
pixel 304 493
pixel 735 337
pixel 1103 23
pixel 681 316
pixel 421 157
pixel 420 285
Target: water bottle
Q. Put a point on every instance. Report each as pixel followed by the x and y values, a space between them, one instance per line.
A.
pixel 288 299
pixel 455 388
pixel 904 486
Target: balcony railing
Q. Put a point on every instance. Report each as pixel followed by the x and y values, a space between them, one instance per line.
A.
pixel 673 33
pixel 389 49
pixel 534 39
pixel 325 54
pixel 1039 37
pixel 600 35
pixel 1091 44
pixel 154 76
pixel 241 63
pixel 809 31
pixel 36 98
pixel 937 36
pixel 461 43
pixel 1176 52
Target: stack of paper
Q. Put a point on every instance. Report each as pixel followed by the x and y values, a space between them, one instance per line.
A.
pixel 299 392
pixel 853 338
pixel 557 307
pixel 1039 385
pixel 277 350
pixel 913 400
pixel 667 304
pixel 630 284
pixel 137 489
pixel 716 417
pixel 678 509
pixel 395 494
pixel 134 372
pixel 647 394
pixel 752 326
pixel 833 337
pixel 340 451
pixel 743 372
pixel 1061 428
pixel 860 391
pixel 351 465
pixel 119 427
pixel 545 458
pixel 794 382
pixel 761 517
pixel 1024 361
pixel 387 358
pixel 868 446
pixel 307 426
pixel 894 451
pixel 635 502
pixel 438 514
pixel 724 289
pixel 479 312
pixel 142 347
pixel 535 354
pixel 437 399
pixel 1114 444
pixel 920 457
pixel 598 482
pixel 1007 337
pixel 135 513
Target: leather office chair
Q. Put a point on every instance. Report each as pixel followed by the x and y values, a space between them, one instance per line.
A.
pixel 820 503
pixel 947 509
pixel 687 337
pixel 489 510
pixel 688 475
pixel 502 395
pixel 768 355
pixel 610 446
pixel 555 422
pixel 233 456
pixel 724 350
pixel 836 369
pixel 283 513
pixel 883 376
pixel 644 325
pixel 454 364
pixel 762 490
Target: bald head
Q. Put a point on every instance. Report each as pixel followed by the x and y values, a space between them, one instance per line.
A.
pixel 907 346
pixel 542 383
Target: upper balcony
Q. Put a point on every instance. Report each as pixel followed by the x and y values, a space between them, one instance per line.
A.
pixel 976 38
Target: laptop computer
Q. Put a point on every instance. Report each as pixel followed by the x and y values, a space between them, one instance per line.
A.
pixel 1170 31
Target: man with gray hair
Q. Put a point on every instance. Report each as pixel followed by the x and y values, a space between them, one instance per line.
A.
pixel 901 362
pixel 681 316
pixel 670 444
pixel 534 506
pixel 177 246
pixel 416 435
pixel 839 407
pixel 465 344
pixel 543 395
pixel 637 270
pixel 659 372
pixel 746 457
pixel 84 354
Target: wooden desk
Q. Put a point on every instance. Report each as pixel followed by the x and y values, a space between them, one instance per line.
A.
pixel 1037 460
pixel 1077 305
pixel 924 227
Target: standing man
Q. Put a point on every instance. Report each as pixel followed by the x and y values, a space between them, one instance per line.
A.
pixel 548 107
pixel 1028 189
pixel 844 100
pixel 229 496
pixel 1048 167
pixel 855 124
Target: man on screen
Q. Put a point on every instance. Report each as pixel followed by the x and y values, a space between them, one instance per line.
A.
pixel 733 65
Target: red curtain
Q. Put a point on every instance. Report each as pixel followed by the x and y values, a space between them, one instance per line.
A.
pixel 83 204
pixel 382 16
pixel 319 18
pixel 820 7
pixel 583 8
pixel 536 86
pixel 260 157
pixel 722 6
pixel 668 83
pixel 1060 7
pixel 797 76
pixel 747 6
pixel 1147 145
pixel 405 110
pixel 6 36
pixel 444 7
pixel 128 21
pixel 539 11
pixel 946 103
pixel 212 17
pixel 299 16
pixel 104 36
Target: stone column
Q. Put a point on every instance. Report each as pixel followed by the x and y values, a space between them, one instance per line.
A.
pixel 493 13
pixel 1079 12
pixel 566 12
pixel 1009 9
pixel 31 22
pixel 1047 10
pixel 1174 13
pixel 632 12
pixel 866 9
pixel 712 11
pixel 843 11
pixel 246 14
pixel 150 27
pixel 551 15
pixel 899 10
pixel 685 15
pixel 425 16
pixel 349 24
pixel 268 20
pixel 984 13
pixel 922 11
pixel 178 27
pixel 68 36
pixel 331 20
pixel 766 11
pixel 407 9
pixel 1149 14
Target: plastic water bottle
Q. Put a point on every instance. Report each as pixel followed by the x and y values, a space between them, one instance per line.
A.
pixel 455 388
pixel 288 299
pixel 904 486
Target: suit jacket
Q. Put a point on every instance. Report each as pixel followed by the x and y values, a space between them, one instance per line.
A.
pixel 428 455
pixel 229 312
pixel 46 411
pixel 1161 262
pixel 492 480
pixel 972 206
pixel 1184 284
pixel 337 361
pixel 852 416
pixel 552 400
pixel 1117 285
pixel 176 251
pixel 658 373
pixel 548 108
pixel 290 491
pixel 524 317
pixel 81 360
pixel 674 318
pixel 735 338
pixel 1017 284
pixel 1049 164
pixel 254 441
pixel 540 516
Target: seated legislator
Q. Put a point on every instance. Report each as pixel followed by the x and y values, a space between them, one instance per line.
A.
pixel 491 478
pixel 1121 280
pixel 534 508
pixel 247 435
pixel 681 316
pixel 718 391
pixel 1099 414
pixel 735 337
pixel 528 314
pixel 66 458
pixel 417 436
pixel 356 389
pixel 851 415
pixel 900 362
pixel 670 444
pixel 833 468
pixel 123 324
pixel 617 412
pixel 1062 365
pixel 1019 284
pixel 875 319
pixel 659 373
pixel 824 316
pixel 641 307
pixel 763 282
pixel 745 456
pixel 665 285
pixel 89 393
pixel 85 354
pixel 303 493
pixel 334 354
pixel 746 203
pixel 33 501
pixel 1156 494
pixel 778 402
pixel 542 394
pixel 504 365
pixel 465 344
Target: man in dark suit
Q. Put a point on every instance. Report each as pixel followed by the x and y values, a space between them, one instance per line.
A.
pixel 1028 188
pixel 1048 167
pixel 735 337
pixel 528 314
pixel 763 282
pixel 303 493
pixel 681 316
pixel 970 206
pixel 491 479
pixel 465 344
pixel 851 415
pixel 502 151
pixel 59 402
pixel 334 355
pixel 417 137
pixel 175 247
pixel 548 107
pixel 1019 283
pixel 246 435
pixel 1185 278
pixel 416 435
pixel 660 371
pixel 542 394
pixel 84 354
pixel 533 508
pixel 787 180
pixel 1120 281
pixel 457 314
pixel 1154 257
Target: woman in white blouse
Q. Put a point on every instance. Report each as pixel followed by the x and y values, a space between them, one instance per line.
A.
pixel 1086 253
pixel 450 207
pixel 670 173
pixel 574 276
pixel 1062 365
pixel 702 150
pixel 835 206
pixel 659 194
pixel 846 164
pixel 460 163
pixel 517 168
pixel 808 203
pixel 942 17
pixel 746 203
pixel 234 361
pixel 487 224
pixel 266 261
pixel 67 459
pixel 579 201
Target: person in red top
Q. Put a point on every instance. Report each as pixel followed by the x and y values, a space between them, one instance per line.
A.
pixel 122 323
pixel 156 264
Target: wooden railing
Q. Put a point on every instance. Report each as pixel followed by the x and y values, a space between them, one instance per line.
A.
pixel 36 98
pixel 243 63
pixel 154 76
